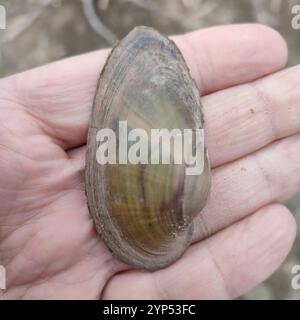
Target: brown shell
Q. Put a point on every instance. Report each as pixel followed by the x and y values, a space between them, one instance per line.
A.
pixel 144 212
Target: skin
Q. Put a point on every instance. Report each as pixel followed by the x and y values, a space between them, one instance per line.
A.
pixel 48 243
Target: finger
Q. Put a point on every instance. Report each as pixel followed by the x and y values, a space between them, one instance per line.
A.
pixel 59 96
pixel 221 57
pixel 224 266
pixel 245 118
pixel 239 188
pixel 242 187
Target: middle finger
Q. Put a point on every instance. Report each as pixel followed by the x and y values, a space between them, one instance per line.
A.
pixel 245 118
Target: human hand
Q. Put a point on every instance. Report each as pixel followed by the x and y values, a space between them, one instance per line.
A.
pixel 48 243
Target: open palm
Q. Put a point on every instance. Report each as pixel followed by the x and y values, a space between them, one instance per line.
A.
pixel 48 243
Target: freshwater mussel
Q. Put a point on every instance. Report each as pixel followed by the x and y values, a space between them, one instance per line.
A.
pixel 144 212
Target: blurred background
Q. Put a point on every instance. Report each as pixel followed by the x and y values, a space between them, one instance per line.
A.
pixel 41 31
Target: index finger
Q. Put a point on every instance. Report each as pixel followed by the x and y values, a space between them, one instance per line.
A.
pixel 60 95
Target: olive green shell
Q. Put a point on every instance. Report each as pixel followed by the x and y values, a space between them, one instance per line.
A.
pixel 144 212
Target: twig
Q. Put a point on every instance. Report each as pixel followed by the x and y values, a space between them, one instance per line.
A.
pixel 98 26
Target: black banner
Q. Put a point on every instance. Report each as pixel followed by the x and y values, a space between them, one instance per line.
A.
pixel 146 309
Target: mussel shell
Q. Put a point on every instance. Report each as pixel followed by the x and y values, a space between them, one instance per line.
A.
pixel 144 212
